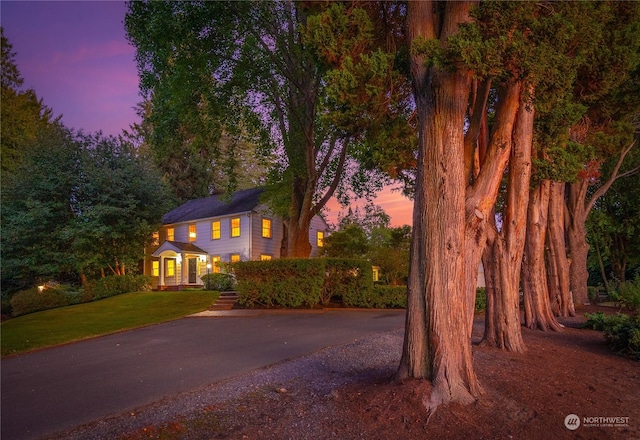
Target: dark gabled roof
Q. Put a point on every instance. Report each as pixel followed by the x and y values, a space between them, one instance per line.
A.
pixel 177 247
pixel 214 206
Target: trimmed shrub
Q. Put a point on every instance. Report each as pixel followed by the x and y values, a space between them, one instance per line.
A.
pixel 622 332
pixel 390 297
pixel 222 282
pixel 481 299
pixel 117 285
pixel 350 280
pixel 284 282
pixel 32 300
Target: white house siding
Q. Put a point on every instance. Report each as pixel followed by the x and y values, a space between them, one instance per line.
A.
pixel 266 246
pixel 317 224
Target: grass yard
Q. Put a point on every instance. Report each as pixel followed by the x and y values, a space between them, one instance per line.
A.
pixel 122 312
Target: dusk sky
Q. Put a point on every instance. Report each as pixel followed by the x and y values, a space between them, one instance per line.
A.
pixel 75 55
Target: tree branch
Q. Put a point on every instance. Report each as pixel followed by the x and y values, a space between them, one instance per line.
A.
pixel 614 175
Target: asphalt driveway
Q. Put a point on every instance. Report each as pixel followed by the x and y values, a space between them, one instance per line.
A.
pixel 56 389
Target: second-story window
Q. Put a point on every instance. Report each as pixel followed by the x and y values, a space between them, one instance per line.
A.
pixel 266 228
pixel 235 227
pixel 215 230
pixel 155 239
pixel 170 234
pixel 192 232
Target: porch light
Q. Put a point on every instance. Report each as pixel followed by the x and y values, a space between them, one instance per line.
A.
pixel 40 288
pixel 203 258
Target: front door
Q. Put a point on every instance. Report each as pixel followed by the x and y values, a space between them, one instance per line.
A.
pixel 193 270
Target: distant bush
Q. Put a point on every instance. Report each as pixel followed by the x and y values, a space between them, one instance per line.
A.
pixel 622 332
pixel 52 296
pixel 284 282
pixel 116 285
pixel 481 299
pixel 389 297
pixel 222 282
pixel 628 294
pixel 350 280
pixel 592 293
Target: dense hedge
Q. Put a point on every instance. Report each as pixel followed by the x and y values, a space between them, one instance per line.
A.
pixel 117 285
pixel 348 280
pixel 222 282
pixel 32 300
pixel 310 282
pixel 283 282
pixel 60 295
pixel 389 296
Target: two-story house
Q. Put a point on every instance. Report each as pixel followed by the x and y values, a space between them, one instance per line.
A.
pixel 196 237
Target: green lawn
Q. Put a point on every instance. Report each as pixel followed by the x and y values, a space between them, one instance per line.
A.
pixel 131 310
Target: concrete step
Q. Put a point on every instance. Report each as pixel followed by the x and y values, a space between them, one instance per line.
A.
pixel 225 301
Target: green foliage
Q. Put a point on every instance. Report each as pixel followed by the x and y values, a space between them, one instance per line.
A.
pixel 622 332
pixel 481 299
pixel 348 242
pixel 628 294
pixel 76 204
pixel 348 279
pixel 23 115
pixel 117 285
pixel 52 296
pixel 284 282
pixel 389 297
pixel 221 282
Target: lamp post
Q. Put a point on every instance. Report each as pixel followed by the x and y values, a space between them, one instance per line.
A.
pixel 208 272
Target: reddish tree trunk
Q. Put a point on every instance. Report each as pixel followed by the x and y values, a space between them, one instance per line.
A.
pixel 502 317
pixel 557 263
pixel 482 194
pixel 537 311
pixel 436 345
pixel 577 240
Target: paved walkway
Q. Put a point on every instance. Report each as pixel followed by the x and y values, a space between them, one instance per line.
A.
pixel 56 389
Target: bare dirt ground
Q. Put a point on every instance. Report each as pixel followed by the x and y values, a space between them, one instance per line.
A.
pixel 348 392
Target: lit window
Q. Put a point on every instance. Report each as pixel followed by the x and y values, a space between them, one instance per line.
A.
pixel 235 227
pixel 155 239
pixel 235 258
pixel 376 273
pixel 170 234
pixel 264 257
pixel 215 264
pixel 266 228
pixel 215 230
pixel 192 232
pixel 320 238
pixel 155 268
pixel 171 267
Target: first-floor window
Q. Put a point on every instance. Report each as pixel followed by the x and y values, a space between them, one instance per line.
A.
pixel 215 264
pixel 171 267
pixel 265 257
pixel 235 258
pixel 155 268
pixel 320 238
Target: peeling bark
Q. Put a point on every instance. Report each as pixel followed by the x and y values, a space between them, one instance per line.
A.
pixel 436 345
pixel 537 310
pixel 557 263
